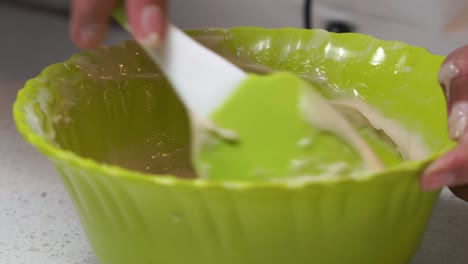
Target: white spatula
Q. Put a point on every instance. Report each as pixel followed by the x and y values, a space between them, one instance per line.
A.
pixel 200 77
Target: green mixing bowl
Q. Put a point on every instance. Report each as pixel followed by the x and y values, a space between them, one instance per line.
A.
pixel 110 124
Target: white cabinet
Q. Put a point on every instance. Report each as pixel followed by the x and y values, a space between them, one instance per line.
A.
pixel 417 22
pixel 431 14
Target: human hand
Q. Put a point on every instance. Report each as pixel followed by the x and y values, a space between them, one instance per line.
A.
pixel 90 20
pixel 452 168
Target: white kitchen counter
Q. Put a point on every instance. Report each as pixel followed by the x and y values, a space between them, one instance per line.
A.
pixel 38 224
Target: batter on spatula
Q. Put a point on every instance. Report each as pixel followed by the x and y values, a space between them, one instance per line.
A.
pixel 285 129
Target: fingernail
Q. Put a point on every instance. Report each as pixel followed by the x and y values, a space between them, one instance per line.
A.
pixel 152 40
pixel 437 181
pixel 447 73
pixel 458 119
pixel 91 34
pixel 150 17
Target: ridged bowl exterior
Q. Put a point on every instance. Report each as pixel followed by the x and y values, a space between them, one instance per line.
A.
pixel 78 112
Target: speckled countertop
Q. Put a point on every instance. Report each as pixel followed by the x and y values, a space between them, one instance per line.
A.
pixel 38 224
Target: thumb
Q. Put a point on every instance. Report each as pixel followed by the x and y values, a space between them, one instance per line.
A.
pixel 453 77
pixel 452 168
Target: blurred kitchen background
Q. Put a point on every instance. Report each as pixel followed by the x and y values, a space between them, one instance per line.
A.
pixel 34 32
pixel 37 222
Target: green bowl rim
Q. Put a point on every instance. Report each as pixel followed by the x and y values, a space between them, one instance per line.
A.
pixel 55 153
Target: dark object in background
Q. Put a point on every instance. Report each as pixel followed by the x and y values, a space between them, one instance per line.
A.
pixel 339 26
pixel 307 13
